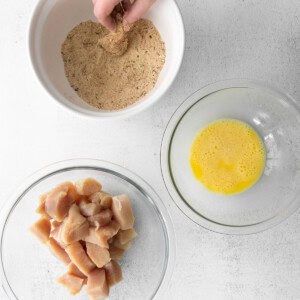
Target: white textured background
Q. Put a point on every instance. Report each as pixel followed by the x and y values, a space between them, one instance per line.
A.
pixel 257 39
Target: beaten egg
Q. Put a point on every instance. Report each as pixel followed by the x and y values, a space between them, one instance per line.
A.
pixel 227 156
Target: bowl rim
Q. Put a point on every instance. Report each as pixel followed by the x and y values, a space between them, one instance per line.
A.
pixel 102 115
pixel 114 169
pixel 164 158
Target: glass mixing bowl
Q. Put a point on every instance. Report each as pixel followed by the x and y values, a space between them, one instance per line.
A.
pixel 29 271
pixel 276 117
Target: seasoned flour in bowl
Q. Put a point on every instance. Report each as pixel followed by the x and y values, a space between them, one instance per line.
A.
pixel 106 80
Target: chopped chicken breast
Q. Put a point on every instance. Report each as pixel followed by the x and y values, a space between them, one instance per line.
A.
pixel 125 236
pixel 41 209
pixel 97 238
pixel 122 246
pixel 79 258
pixel 102 198
pixel 101 236
pixel 75 227
pixel 89 209
pixel 116 253
pixel 122 211
pixel 100 256
pixel 97 287
pixel 100 219
pixel 71 282
pixel 55 224
pixel 87 186
pixel 58 251
pixel 41 229
pixel 57 202
pixel 72 192
pixel 73 270
pixel 88 230
pixel 56 234
pixel 113 273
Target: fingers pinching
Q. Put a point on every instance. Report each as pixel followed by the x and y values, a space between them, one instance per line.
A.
pixel 137 10
pixel 102 11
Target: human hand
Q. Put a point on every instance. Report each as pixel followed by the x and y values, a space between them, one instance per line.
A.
pixel 134 11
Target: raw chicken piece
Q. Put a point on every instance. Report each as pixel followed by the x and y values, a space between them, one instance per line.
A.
pixel 87 186
pixel 102 198
pixel 82 198
pixel 89 252
pixel 41 229
pixel 79 258
pixel 89 209
pixel 125 236
pixel 111 240
pixel 97 287
pixel 122 246
pixel 73 270
pixel 116 253
pixel 101 236
pixel 113 273
pixel 56 234
pixel 71 282
pixel 58 251
pixel 72 193
pixel 43 197
pixel 75 227
pixel 106 202
pixel 58 202
pixel 99 256
pixel 122 211
pixel 55 224
pixel 110 230
pixel 96 238
pixel 41 208
pixel 101 219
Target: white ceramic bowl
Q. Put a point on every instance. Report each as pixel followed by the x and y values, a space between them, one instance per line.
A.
pixel 51 22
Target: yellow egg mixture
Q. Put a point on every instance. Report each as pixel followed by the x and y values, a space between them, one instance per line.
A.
pixel 227 156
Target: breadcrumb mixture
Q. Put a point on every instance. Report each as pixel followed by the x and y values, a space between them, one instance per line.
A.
pixel 111 71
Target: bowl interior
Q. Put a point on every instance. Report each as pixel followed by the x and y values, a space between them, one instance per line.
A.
pixel 31 271
pixel 277 121
pixel 54 19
